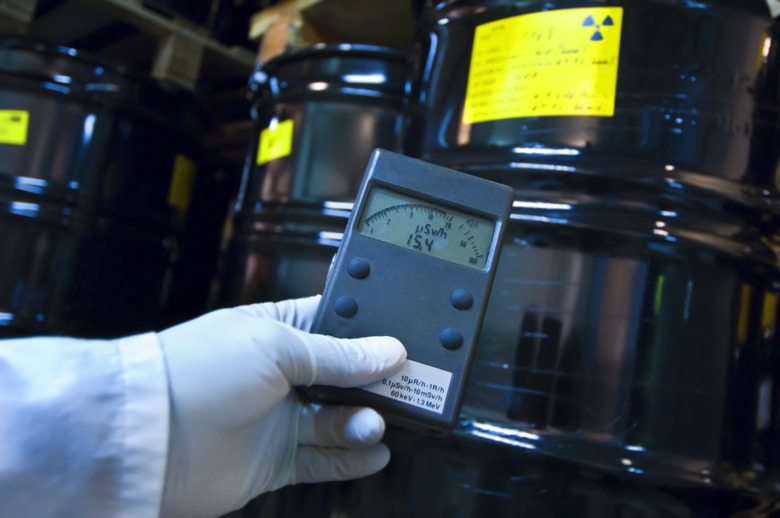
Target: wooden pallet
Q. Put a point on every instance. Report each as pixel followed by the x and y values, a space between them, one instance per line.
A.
pixel 16 14
pixel 168 48
pixel 171 49
pixel 177 50
pixel 303 23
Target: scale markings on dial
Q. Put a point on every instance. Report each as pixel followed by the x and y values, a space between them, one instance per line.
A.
pixel 441 232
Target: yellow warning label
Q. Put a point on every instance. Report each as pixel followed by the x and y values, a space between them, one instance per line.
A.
pixel 13 126
pixel 561 62
pixel 770 310
pixel 182 180
pixel 275 142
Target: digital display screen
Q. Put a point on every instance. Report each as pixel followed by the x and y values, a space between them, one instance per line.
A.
pixel 427 227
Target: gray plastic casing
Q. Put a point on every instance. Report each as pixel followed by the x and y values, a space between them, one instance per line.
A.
pixel 407 294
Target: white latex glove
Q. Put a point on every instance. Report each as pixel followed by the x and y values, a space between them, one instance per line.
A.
pixel 238 428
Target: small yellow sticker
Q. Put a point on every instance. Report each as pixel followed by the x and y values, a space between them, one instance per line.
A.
pixel 13 126
pixel 182 180
pixel 275 142
pixel 549 63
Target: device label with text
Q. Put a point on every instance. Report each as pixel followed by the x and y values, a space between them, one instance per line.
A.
pixel 416 384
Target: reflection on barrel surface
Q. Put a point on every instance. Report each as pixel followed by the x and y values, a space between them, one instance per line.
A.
pixel 465 478
pixel 647 346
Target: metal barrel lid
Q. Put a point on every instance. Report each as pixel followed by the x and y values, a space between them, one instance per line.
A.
pixel 755 6
pixel 31 65
pixel 346 68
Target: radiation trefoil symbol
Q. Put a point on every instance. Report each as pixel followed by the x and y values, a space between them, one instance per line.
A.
pixel 590 22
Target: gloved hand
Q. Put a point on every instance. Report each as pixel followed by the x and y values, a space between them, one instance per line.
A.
pixel 238 428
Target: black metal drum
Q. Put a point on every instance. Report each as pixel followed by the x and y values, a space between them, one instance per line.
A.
pixel 92 179
pixel 320 113
pixel 664 87
pixel 632 324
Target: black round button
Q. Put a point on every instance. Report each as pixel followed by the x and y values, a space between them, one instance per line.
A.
pixel 346 307
pixel 358 268
pixel 461 299
pixel 451 338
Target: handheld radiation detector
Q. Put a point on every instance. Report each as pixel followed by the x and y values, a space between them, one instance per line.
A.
pixel 417 262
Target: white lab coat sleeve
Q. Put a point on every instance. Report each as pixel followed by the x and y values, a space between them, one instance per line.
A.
pixel 83 427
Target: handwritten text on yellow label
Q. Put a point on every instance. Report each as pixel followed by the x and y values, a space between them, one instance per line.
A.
pixel 560 62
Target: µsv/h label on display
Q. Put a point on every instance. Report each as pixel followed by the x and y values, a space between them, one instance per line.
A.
pixel 550 63
pixel 415 384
